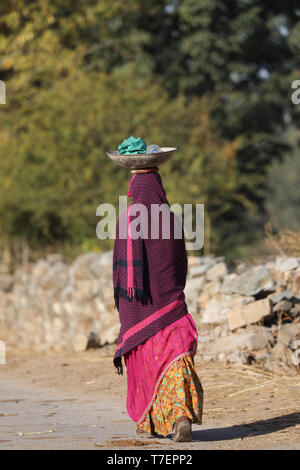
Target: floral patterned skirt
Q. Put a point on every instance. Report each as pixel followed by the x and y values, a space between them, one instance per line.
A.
pixel 179 394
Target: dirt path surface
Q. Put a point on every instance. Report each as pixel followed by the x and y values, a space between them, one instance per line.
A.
pixel 76 401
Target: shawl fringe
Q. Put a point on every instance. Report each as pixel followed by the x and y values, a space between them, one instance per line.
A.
pixel 118 365
pixel 130 294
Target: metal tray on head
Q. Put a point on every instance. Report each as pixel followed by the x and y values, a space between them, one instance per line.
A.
pixel 142 160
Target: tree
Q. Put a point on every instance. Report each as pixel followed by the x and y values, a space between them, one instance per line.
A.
pixel 245 54
pixel 54 173
pixel 82 75
pixel 283 191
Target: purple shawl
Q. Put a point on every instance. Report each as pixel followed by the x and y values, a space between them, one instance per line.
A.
pixel 149 274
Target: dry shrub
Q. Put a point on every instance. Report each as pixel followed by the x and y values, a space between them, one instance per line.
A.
pixel 286 242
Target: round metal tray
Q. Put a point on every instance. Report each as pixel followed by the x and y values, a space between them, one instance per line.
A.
pixel 142 160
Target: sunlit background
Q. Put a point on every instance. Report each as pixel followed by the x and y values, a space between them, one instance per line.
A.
pixel 212 77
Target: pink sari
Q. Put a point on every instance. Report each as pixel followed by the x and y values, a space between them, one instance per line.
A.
pixel 148 362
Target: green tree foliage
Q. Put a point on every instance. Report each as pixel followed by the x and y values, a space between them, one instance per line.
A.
pixel 57 171
pixel 49 51
pixel 43 41
pixel 283 190
pixel 244 53
pixel 212 77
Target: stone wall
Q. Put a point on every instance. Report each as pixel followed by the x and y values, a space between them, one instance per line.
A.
pixel 250 315
pixel 53 305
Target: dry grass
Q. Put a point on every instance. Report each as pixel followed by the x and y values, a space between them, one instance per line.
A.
pixel 286 242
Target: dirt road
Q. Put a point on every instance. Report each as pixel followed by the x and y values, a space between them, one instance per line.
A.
pixel 76 401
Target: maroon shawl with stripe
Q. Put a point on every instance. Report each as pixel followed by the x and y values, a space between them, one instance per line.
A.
pixel 149 274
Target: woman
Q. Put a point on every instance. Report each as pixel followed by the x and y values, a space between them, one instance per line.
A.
pixel 158 337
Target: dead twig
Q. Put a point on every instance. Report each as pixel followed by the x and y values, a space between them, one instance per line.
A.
pixel 35 432
pixel 252 388
pixel 220 386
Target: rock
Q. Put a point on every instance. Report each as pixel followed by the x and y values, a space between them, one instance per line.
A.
pixel 194 261
pixel 241 267
pixel 284 295
pixel 194 285
pixel 215 309
pixel 264 356
pixel 58 325
pixel 254 281
pixel 86 289
pixel 217 271
pixel 213 312
pixel 210 260
pixel 295 344
pixel 286 264
pixel 80 269
pixel 197 270
pixel 100 262
pixel 281 283
pixel 216 332
pixel 229 283
pixel 40 268
pixel 80 342
pixel 192 290
pixel 6 282
pixel 274 329
pixel 283 306
pixel 296 282
pixel 259 330
pixel 93 341
pixel 282 353
pixel 249 313
pixel 256 341
pixel 288 278
pixel 203 339
pixel 295 358
pixel 212 288
pixel 270 265
pixel 54 258
pixel 55 278
pixel 287 348
pixel 251 341
pixel 295 311
pixel 240 357
pixel 110 335
pixel 288 333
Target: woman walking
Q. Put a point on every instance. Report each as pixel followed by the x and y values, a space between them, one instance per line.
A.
pixel 158 337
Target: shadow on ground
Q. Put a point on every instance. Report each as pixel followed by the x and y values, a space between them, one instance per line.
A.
pixel 256 428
